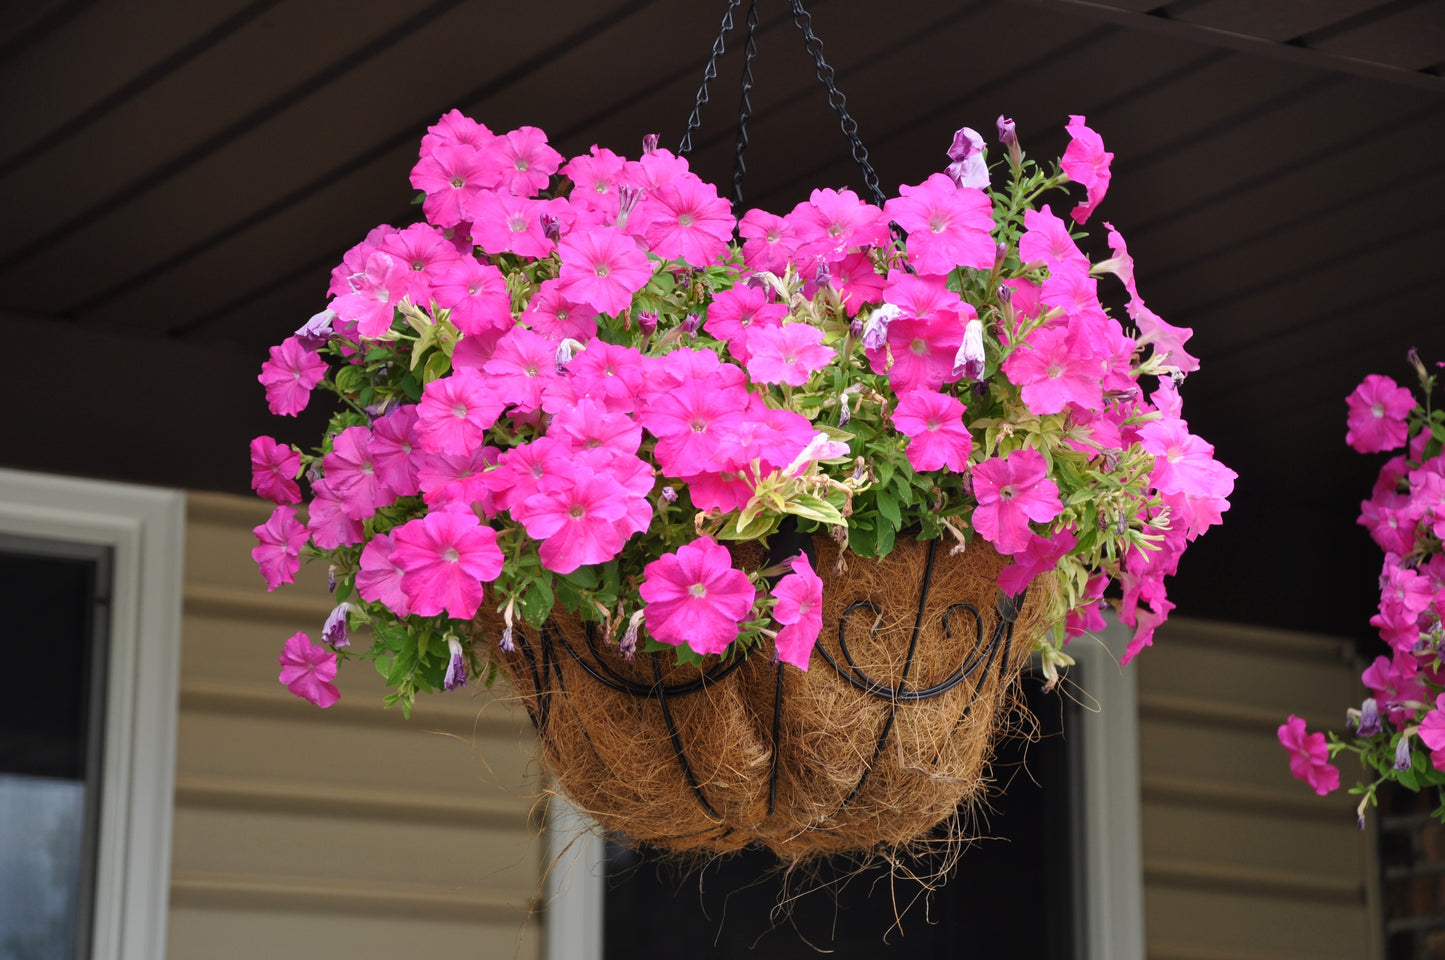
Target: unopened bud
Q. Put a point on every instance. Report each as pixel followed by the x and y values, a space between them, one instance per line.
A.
pixel 1369 723
pixel 691 323
pixel 647 322
pixel 628 645
pixel 551 227
pixel 669 494
pixel 968 361
pixel 336 630
pixel 627 197
pixel 1402 753
pixel 314 333
pixel 649 143
pixel 875 330
pixel 456 675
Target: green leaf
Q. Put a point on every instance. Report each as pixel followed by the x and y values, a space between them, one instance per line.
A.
pixel 862 538
pixel 410 386
pixel 888 506
pixel 885 539
pixel 437 366
pixel 584 578
pixel 814 508
pixel 537 602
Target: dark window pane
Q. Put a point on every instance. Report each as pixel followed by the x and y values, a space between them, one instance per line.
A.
pixel 56 598
pixel 1009 897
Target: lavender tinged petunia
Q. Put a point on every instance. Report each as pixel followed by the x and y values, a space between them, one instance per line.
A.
pixel 316 332
pixel 1369 718
pixel 336 629
pixel 456 666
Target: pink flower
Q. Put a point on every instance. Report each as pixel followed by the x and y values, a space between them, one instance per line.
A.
pixel 687 421
pixel 768 241
pixel 575 514
pixel 1041 554
pixel 528 162
pixel 734 312
pixel 273 470
pixel 595 180
pixel 521 367
pixel 787 354
pixel 457 477
pixel 947 225
pixel 1183 463
pixel 830 222
pixel 1046 238
pixel 1052 371
pixel 455 412
pixel 556 317
pixel 327 521
pixel 476 294
pixel 604 372
pixel 307 669
pixel 1087 163
pixel 1010 493
pixel 379 580
pixel 933 422
pixel 446 555
pixel 425 254
pixel 1309 756
pixel 376 291
pixel 289 377
pixel 393 443
pixel 686 220
pixel 602 268
pixel 799 608
pixel 450 176
pixel 1432 732
pixel 503 223
pixel 278 549
pixel 352 475
pixel 694 596
pixel 1378 409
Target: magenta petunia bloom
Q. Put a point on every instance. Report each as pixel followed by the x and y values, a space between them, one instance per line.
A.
pixel 947 225
pixel 769 241
pixel 278 549
pixel 830 222
pixel 456 411
pixel 1087 163
pixel 528 161
pixel 1046 239
pixel 933 422
pixel 786 354
pixel 327 521
pixel 595 179
pixel 1010 493
pixel 1378 408
pixel 521 367
pixel 1183 463
pixel 1432 732
pixel 687 421
pixel 734 312
pixel 457 477
pixel 556 317
pixel 476 296
pixel 609 374
pixel 379 579
pixel 602 267
pixel 1053 372
pixel 393 443
pixel 289 376
pixel 307 669
pixel 575 514
pixel 503 223
pixel 447 555
pixel 273 470
pixel 1309 756
pixel 376 291
pixel 686 220
pixel 696 597
pixel 799 609
pixel 352 475
pixel 450 176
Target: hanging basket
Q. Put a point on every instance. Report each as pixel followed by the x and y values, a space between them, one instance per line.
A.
pixel 884 737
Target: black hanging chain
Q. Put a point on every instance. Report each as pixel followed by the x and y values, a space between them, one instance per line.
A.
pixel 745 107
pixel 708 75
pixel 804 22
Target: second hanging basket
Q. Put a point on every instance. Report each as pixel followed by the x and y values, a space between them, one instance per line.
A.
pixel 885 736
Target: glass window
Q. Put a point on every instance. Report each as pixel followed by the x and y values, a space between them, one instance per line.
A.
pixel 51 723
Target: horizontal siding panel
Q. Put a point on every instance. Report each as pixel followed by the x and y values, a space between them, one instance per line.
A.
pixel 1304 847
pixel 201 930
pixel 322 846
pixel 1245 925
pixel 1264 681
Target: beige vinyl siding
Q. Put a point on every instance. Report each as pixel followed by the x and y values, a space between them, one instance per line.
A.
pixel 345 832
pixel 1241 861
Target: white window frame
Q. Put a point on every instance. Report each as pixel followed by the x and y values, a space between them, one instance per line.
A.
pixel 144 528
pixel 1109 885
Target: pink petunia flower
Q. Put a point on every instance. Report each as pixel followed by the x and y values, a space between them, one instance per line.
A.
pixel 933 422
pixel 831 222
pixel 446 556
pixel 1087 163
pixel 786 354
pixel 289 377
pixel 1309 756
pixel 352 475
pixel 595 180
pixel 734 312
pixel 379 580
pixel 686 220
pixel 696 597
pixel 393 444
pixel 799 608
pixel 604 372
pixel 575 514
pixel 687 421
pixel 1011 492
pixel 769 242
pixel 307 669
pixel 1053 372
pixel 278 547
pixel 1378 408
pixel 451 175
pixel 327 521
pixel 503 223
pixel 1183 463
pixel 558 318
pixel 602 267
pixel 527 159
pixel 1432 733
pixel 947 225
pixel 455 412
pixel 457 478
pixel 521 367
pixel 273 470
pixel 476 294
pixel 376 291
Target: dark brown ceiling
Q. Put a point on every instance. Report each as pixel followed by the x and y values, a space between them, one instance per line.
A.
pixel 178 179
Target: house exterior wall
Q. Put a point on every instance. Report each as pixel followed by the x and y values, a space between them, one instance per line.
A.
pixel 353 832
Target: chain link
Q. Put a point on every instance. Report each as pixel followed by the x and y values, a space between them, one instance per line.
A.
pixel 745 108
pixel 694 121
pixel 804 22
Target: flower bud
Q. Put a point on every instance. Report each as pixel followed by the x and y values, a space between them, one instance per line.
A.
pixel 627 198
pixel 456 666
pixel 970 164
pixel 669 494
pixel 314 333
pixel 551 227
pixel 335 631
pixel 1369 724
pixel 647 322
pixel 331 578
pixel 628 645
pixel 691 323
pixel 875 330
pixel 649 143
pixel 1010 138
pixel 1402 753
pixel 968 361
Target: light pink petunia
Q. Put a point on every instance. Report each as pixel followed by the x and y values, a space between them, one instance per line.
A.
pixel 455 127
pixel 447 555
pixel 455 412
pixel 289 377
pixel 799 609
pixel 278 547
pixel 602 267
pixel 379 580
pixel 696 597
pixel 1011 492
pixel 393 444
pixel 1087 163
pixel 273 470
pixel 1184 463
pixel 787 354
pixel 933 422
pixel 425 254
pixel 1309 756
pixel 1378 408
pixel 947 225
pixel 307 669
pixel 503 223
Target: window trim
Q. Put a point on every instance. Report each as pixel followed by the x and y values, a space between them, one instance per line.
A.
pixel 145 529
pixel 1109 882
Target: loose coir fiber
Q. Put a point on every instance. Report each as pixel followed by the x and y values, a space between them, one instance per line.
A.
pixel 804 763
